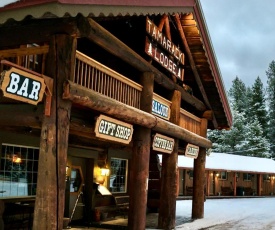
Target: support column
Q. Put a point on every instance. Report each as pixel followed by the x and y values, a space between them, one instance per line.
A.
pixel 259 184
pixel 50 196
pixel 168 193
pixel 139 171
pixel 199 178
pixel 235 184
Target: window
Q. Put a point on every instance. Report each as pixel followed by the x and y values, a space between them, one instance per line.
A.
pixel 118 175
pixel 190 173
pixel 247 177
pixel 266 177
pixel 222 176
pixel 18 170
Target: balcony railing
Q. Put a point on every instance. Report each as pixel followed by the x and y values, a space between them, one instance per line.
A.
pixel 95 76
pixel 190 121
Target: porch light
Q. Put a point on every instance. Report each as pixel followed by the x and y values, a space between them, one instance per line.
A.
pixel 217 174
pixel 105 171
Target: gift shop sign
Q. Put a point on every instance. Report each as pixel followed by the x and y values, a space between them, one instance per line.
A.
pixel 22 86
pixel 163 144
pixel 192 151
pixel 114 130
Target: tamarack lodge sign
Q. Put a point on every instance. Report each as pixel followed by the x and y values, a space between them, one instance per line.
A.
pixel 111 129
pixel 163 144
pixel 22 86
pixel 192 151
pixel 163 58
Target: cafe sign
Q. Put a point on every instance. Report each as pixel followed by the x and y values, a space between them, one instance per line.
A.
pixel 111 129
pixel 163 143
pixel 22 86
pixel 192 151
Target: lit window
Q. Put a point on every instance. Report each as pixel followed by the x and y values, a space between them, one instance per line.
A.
pixel 222 176
pixel 266 177
pixel 118 175
pixel 18 170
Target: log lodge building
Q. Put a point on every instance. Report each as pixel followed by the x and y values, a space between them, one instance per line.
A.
pixel 91 92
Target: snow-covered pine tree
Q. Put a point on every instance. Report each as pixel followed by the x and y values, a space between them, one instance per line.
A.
pixel 257 105
pixel 271 106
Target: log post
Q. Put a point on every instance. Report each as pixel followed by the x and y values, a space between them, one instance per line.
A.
pixel 139 171
pixel 50 197
pixel 169 180
pixel 235 184
pixel 259 184
pixel 199 178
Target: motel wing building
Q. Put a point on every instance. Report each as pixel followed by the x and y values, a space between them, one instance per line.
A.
pixel 91 92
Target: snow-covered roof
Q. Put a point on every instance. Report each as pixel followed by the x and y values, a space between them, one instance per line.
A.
pixel 230 162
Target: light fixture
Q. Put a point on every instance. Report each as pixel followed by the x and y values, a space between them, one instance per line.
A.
pixel 217 174
pixel 105 171
pixel 16 159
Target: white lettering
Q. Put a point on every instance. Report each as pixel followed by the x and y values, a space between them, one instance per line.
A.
pixel 35 90
pixel 13 86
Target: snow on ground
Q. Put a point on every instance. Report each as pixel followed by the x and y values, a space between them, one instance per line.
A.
pixel 226 214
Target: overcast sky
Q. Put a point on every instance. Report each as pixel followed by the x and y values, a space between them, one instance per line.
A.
pixel 243 37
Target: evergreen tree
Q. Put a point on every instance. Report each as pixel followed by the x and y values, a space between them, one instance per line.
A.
pixel 271 105
pixel 237 95
pixel 257 105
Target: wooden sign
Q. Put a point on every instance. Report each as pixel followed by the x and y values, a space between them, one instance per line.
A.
pixel 192 151
pixel 159 37
pixel 163 59
pixel 163 144
pixel 160 109
pixel 111 129
pixel 22 86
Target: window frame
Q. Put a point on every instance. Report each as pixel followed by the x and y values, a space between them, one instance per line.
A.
pixel 19 167
pixel 247 177
pixel 125 175
pixel 223 175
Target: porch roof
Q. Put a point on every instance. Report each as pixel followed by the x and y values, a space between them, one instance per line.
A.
pixel 230 162
pixel 209 87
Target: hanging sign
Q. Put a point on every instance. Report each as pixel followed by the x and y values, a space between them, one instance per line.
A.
pixel 160 109
pixel 22 86
pixel 111 129
pixel 192 151
pixel 159 37
pixel 162 58
pixel 163 144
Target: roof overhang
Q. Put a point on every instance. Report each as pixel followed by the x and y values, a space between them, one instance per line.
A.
pixel 214 97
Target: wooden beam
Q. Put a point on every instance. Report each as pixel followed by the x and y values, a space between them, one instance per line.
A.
pixel 97 34
pixel 169 169
pixel 93 100
pixel 199 182
pixel 31 32
pixel 139 173
pixel 193 66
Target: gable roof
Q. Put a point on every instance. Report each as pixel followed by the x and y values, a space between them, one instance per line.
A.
pixel 230 162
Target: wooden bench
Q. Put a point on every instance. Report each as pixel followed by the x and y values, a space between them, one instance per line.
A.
pixel 189 190
pixel 226 191
pixel 248 191
pixel 122 205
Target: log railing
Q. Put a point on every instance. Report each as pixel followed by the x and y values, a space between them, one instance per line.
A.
pixel 95 76
pixel 190 121
pixel 31 57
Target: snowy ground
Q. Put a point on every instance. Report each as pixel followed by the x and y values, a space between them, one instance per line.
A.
pixel 225 214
